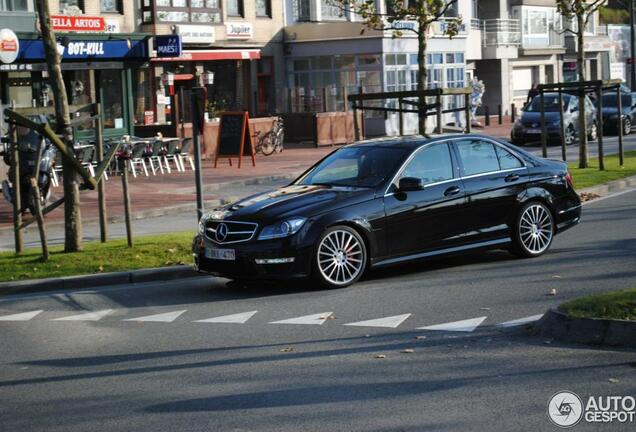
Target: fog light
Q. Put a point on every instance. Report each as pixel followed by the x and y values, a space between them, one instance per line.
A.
pixel 274 260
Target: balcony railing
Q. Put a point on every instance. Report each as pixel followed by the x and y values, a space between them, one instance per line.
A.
pixel 501 32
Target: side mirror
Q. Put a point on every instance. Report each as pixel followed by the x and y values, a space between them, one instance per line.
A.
pixel 408 184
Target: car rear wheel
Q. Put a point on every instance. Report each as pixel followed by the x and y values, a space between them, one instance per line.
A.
pixel 340 258
pixel 533 230
pixel 627 126
pixel 570 135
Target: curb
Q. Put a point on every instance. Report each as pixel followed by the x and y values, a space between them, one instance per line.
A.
pixel 590 331
pixel 611 187
pixel 97 280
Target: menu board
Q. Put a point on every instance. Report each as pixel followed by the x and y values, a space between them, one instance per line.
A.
pixel 234 139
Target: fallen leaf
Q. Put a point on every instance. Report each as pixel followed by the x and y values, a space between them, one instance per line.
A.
pixel 420 337
pixel 547 342
pixel 408 351
pixel 553 292
pixel 137 257
pixel 287 349
pixel 331 317
pixel 35 269
pixel 613 380
pixel 367 335
pixel 171 251
pixel 380 356
pixel 556 277
pixel 100 268
pixel 57 266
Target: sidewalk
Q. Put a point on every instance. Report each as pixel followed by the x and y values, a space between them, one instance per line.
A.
pixel 175 193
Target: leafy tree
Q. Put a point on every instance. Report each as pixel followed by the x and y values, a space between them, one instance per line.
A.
pixel 422 13
pixel 580 12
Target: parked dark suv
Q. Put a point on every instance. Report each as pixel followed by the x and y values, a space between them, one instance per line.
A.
pixel 527 129
pixel 610 112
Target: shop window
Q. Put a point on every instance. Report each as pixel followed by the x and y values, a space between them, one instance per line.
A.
pixel 302 10
pixel 329 12
pixel 173 16
pixel 112 6
pixel 235 8
pixel 65 4
pixel 110 85
pixel 263 8
pixel 16 5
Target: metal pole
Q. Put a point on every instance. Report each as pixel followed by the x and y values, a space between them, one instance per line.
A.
pixel 467 112
pixel 486 116
pixel 599 127
pixel 564 155
pixel 17 198
pixel 101 190
pixel 438 103
pixel 197 101
pixel 544 132
pixel 499 114
pixel 124 181
pixel 513 111
pixel 621 153
pixel 401 117
pixel 182 113
pixel 632 44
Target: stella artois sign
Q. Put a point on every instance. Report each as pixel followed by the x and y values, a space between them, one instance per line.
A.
pixel 9 46
pixel 78 23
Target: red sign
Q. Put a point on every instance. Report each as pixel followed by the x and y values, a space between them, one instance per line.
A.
pixel 79 23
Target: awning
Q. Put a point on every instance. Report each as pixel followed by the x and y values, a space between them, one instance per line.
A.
pixel 218 54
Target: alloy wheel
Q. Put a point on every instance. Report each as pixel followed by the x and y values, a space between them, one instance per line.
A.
pixel 341 257
pixel 593 132
pixel 569 135
pixel 535 229
pixel 627 126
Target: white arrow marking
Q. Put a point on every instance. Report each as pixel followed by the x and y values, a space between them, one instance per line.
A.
pixel 457 326
pixel 24 316
pixel 307 319
pixel 390 322
pixel 90 316
pixel 164 317
pixel 239 318
pixel 520 321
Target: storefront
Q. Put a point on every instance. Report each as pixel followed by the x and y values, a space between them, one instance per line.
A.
pixel 95 68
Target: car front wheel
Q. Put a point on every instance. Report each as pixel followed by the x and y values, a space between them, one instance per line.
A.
pixel 627 126
pixel 533 230
pixel 340 258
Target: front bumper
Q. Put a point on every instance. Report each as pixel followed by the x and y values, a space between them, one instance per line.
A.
pixel 521 136
pixel 245 265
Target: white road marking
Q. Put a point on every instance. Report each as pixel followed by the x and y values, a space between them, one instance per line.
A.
pixel 239 318
pixel 23 316
pixel 90 316
pixel 316 319
pixel 520 321
pixel 468 325
pixel 163 317
pixel 389 322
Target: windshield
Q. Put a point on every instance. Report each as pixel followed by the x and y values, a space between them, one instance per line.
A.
pixel 551 103
pixel 362 166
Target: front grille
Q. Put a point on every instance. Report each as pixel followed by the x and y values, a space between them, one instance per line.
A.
pixel 231 232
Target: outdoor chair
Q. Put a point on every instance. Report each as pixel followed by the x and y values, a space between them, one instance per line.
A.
pixel 155 155
pixel 184 152
pixel 86 156
pixel 171 154
pixel 137 157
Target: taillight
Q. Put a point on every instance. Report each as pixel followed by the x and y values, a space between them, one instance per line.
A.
pixel 569 180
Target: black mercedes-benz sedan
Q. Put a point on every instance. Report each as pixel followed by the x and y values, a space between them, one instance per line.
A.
pixel 388 201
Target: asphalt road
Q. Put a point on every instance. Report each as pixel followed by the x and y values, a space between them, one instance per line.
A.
pixel 187 220
pixel 142 363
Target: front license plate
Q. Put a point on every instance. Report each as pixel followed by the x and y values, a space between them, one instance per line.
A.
pixel 220 254
pixel 533 131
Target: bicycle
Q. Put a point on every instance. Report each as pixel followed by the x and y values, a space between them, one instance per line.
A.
pixel 272 141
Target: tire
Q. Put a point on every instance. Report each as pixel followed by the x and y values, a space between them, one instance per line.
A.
pixel 627 126
pixel 340 257
pixel 593 133
pixel 533 230
pixel 570 135
pixel 267 147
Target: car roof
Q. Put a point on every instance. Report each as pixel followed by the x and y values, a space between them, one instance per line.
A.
pixel 414 141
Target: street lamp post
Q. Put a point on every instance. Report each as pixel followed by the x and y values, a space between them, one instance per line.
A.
pixel 632 46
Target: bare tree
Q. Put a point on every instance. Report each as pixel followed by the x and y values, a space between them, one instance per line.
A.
pixel 72 215
pixel 396 19
pixel 579 12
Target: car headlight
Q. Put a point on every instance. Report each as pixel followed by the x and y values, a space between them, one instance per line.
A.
pixel 282 229
pixel 202 222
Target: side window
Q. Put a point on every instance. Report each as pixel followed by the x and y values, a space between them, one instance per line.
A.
pixel 432 164
pixel 506 159
pixel 477 157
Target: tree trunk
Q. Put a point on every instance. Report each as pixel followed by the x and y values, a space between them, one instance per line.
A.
pixel 580 66
pixel 422 74
pixel 72 216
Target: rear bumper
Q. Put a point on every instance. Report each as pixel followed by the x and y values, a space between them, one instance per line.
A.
pixel 245 265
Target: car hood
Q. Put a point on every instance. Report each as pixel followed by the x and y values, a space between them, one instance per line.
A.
pixel 293 200
pixel 535 117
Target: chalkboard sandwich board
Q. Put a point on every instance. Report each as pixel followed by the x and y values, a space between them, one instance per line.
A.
pixel 234 137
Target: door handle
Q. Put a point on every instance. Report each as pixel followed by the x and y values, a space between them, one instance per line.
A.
pixel 511 177
pixel 453 190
